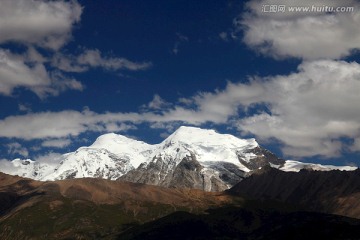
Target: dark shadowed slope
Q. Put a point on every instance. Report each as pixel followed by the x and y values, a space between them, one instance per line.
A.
pixel 247 223
pixel 336 192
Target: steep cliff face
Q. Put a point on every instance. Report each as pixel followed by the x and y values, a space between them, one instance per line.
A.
pixel 188 173
pixel 262 157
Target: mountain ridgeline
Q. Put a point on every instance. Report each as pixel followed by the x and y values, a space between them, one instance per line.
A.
pixel 91 208
pixel 336 192
pixel 189 158
pixel 120 188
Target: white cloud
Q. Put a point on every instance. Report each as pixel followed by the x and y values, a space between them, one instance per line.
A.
pixel 170 127
pixel 164 135
pixel 24 107
pixel 47 25
pixel 158 103
pixel 33 56
pixel 35 24
pixel 311 110
pixel 50 158
pixel 56 143
pixel 63 124
pixel 308 111
pixel 306 35
pixel 43 23
pixel 15 72
pixel 93 58
pixel 356 145
pixel 17 148
pixel 224 36
pixel 44 125
pixel 67 63
pixel 115 126
pixel 180 39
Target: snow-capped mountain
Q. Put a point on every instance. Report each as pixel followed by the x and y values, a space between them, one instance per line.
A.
pixel 28 168
pixel 190 157
pixel 203 159
pixel 109 157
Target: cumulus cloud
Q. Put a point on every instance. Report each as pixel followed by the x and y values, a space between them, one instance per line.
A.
pixel 29 70
pixel 44 23
pixel 309 111
pixel 93 58
pixel 44 125
pixel 49 158
pixel 302 34
pixel 356 145
pixel 67 63
pixel 116 126
pixel 16 72
pixel 47 26
pixel 16 148
pixel 56 143
pixel 35 24
pixel 63 124
pixel 158 103
pixel 24 107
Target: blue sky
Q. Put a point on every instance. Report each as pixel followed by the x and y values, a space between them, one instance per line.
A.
pixel 73 70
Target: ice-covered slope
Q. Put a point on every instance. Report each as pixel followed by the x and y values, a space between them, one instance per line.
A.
pixel 109 157
pixel 136 151
pixel 208 146
pixel 204 159
pixel 28 168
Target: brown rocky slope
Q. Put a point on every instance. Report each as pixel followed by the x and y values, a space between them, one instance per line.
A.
pixel 89 208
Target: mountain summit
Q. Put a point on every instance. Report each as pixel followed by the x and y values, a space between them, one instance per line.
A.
pixel 189 158
pixel 204 159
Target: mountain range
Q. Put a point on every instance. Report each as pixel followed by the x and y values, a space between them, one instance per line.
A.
pixel 196 184
pixel 91 208
pixel 189 158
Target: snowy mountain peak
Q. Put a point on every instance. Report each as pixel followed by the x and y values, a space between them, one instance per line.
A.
pixel 112 140
pixel 122 146
pixel 109 137
pixel 198 136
